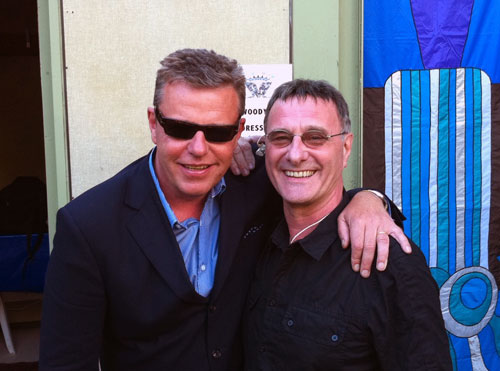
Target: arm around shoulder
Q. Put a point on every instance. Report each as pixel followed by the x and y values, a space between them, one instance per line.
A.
pixel 74 302
pixel 366 225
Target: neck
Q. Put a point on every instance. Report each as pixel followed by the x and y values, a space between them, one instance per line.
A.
pixel 301 219
pixel 185 209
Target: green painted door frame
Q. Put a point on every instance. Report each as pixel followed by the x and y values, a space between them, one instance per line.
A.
pixel 54 108
pixel 320 30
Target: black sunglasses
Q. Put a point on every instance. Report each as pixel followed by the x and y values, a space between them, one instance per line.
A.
pixel 186 130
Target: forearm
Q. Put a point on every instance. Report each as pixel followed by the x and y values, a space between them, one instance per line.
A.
pixel 387 203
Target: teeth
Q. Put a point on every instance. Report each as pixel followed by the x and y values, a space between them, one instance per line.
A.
pixel 299 174
pixel 199 167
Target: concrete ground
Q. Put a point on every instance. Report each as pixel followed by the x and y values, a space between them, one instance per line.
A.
pixel 23 313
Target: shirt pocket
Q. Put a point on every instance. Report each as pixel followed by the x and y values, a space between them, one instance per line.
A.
pixel 324 328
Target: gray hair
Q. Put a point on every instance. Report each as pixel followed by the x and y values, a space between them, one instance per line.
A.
pixel 200 68
pixel 317 89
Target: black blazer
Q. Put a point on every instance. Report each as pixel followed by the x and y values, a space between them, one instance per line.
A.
pixel 117 288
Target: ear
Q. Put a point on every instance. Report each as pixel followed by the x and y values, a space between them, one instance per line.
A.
pixel 242 125
pixel 347 145
pixel 241 128
pixel 153 125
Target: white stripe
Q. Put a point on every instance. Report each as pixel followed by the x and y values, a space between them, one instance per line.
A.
pixel 475 354
pixel 396 139
pixel 485 167
pixel 433 147
pixel 388 137
pixel 460 168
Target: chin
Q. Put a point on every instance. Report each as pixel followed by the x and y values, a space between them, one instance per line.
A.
pixel 298 201
pixel 196 192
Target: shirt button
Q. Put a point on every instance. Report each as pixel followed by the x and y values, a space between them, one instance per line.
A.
pixel 335 337
pixel 290 323
pixel 272 303
pixel 212 308
pixel 203 267
pixel 216 353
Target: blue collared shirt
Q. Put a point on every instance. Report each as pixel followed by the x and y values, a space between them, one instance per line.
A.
pixel 197 239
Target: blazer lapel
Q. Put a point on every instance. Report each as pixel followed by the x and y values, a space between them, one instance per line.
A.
pixel 151 229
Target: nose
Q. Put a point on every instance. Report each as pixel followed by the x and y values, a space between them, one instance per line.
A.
pixel 198 144
pixel 297 151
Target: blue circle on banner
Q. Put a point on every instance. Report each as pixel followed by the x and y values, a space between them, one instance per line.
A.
pixel 468 300
pixel 474 293
pixel 459 309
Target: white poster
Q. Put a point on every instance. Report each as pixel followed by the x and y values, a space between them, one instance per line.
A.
pixel 262 80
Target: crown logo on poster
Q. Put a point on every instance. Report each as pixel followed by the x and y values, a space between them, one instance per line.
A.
pixel 258 86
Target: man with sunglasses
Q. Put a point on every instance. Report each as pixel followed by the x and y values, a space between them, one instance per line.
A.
pixel 307 309
pixel 150 269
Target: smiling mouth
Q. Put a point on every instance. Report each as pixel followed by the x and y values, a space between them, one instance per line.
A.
pixel 196 167
pixel 299 174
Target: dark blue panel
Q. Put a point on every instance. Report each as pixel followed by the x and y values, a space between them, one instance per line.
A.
pixel 15 275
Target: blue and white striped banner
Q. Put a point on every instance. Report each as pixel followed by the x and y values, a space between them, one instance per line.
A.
pixel 438 172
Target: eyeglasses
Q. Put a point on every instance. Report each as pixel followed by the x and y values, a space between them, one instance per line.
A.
pixel 186 130
pixel 311 138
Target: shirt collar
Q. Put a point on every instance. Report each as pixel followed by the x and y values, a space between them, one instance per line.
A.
pixel 218 189
pixel 316 243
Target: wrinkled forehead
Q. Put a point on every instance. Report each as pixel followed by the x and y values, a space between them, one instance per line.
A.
pixel 303 113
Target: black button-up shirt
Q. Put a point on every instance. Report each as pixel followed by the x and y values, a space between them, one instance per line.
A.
pixel 307 309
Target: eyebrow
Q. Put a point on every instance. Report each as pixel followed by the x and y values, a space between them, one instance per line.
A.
pixel 307 128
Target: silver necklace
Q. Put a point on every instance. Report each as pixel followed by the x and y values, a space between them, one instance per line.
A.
pixel 306 228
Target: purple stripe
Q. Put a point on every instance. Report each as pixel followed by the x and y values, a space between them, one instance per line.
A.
pixel 442 28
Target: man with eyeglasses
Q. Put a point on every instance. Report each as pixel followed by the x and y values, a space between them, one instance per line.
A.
pixel 150 269
pixel 307 309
